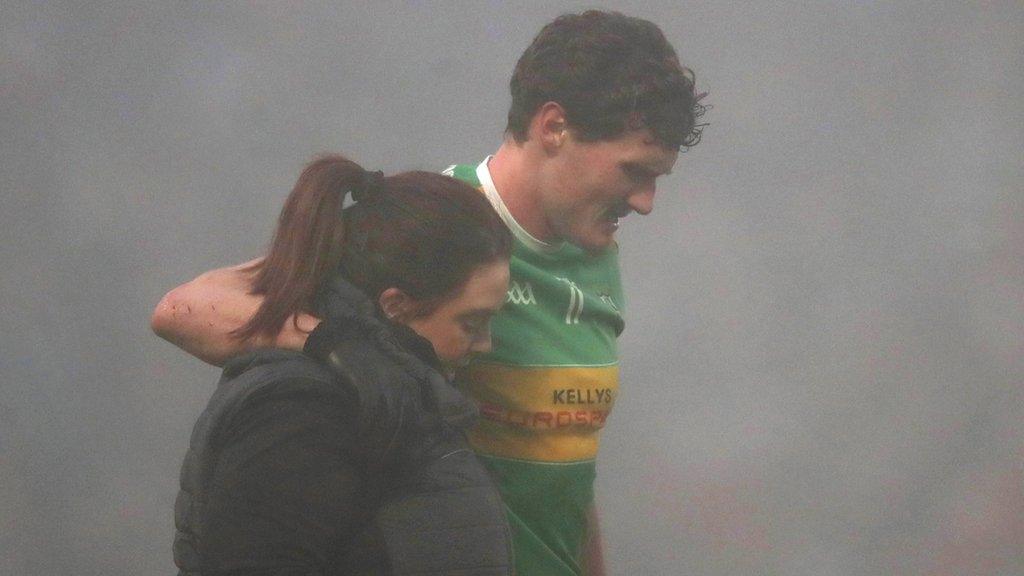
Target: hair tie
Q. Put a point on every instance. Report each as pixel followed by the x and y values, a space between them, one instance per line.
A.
pixel 369 187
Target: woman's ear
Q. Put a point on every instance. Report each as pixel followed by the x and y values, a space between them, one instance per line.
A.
pixel 395 304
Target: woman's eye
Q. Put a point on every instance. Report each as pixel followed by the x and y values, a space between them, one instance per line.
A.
pixel 475 327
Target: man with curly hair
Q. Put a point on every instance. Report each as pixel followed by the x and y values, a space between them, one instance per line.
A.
pixel 600 108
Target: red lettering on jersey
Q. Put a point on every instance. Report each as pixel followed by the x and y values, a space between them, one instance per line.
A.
pixel 567 419
pixel 491 411
pixel 518 418
pixel 544 417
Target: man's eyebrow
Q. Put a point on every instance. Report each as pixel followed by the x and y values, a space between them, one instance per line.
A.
pixel 645 169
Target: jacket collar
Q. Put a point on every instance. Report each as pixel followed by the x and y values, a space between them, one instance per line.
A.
pixel 351 315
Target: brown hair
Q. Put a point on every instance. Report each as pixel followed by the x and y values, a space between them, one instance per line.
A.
pixel 421 232
pixel 610 73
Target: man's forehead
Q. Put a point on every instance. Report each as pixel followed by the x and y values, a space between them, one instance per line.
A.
pixel 659 162
pixel 644 137
pixel 637 147
pixel 650 154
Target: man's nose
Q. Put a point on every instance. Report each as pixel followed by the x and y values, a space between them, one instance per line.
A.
pixel 642 200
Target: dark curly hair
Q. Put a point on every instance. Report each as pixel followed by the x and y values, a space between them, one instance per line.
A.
pixel 610 72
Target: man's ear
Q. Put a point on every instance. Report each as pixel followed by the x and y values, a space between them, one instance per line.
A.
pixel 395 303
pixel 549 126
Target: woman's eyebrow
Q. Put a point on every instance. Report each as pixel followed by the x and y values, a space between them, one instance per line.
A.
pixel 478 313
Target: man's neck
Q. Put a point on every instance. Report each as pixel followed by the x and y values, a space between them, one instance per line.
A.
pixel 514 171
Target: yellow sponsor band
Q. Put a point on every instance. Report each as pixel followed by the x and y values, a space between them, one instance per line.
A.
pixel 548 414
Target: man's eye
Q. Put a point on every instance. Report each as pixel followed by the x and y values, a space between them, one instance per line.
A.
pixel 637 174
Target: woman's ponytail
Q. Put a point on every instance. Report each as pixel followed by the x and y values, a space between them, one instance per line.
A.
pixel 307 245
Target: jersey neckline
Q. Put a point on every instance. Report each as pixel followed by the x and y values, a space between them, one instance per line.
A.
pixel 483 174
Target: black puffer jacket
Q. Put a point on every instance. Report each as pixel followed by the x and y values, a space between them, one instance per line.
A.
pixel 349 458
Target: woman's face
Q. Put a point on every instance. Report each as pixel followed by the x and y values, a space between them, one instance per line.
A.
pixel 461 326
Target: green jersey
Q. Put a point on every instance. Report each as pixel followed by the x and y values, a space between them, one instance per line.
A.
pixel 546 389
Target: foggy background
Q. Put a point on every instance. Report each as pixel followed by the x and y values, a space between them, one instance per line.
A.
pixel 824 354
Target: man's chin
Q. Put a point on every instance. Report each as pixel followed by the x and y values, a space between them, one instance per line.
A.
pixel 596 242
pixel 594 237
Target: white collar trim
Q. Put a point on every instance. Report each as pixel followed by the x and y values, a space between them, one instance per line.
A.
pixel 484 175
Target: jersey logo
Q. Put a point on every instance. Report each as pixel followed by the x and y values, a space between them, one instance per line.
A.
pixel 520 293
pixel 607 299
pixel 449 171
pixel 572 313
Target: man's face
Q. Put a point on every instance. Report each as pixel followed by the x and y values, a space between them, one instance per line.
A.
pixel 589 186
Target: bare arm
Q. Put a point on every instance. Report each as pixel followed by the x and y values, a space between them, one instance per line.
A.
pixel 199 316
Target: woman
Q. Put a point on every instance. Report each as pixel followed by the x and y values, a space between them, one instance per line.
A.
pixel 350 458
